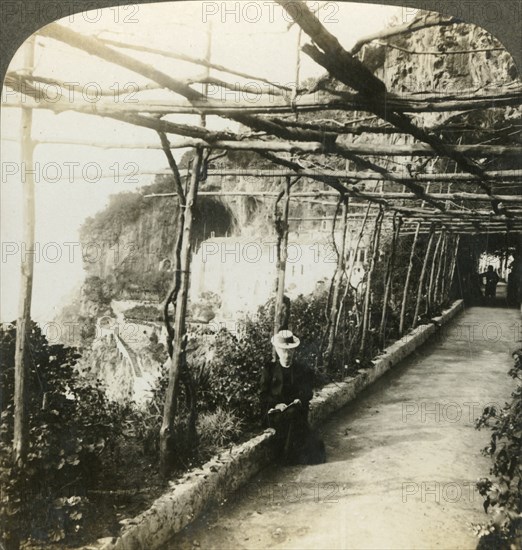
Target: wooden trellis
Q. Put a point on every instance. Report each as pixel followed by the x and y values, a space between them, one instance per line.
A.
pixel 272 130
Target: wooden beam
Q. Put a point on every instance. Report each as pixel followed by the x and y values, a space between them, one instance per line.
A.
pixel 437 53
pixel 96 47
pixel 516 199
pixel 244 102
pixel 415 149
pixel 343 66
pixel 361 175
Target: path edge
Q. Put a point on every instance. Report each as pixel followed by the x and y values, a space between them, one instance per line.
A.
pixel 221 476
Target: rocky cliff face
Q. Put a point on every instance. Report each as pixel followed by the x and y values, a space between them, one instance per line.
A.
pixel 460 60
pixel 139 240
pixel 131 238
pixel 456 59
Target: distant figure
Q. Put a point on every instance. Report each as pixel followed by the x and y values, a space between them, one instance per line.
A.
pixel 492 280
pixel 286 391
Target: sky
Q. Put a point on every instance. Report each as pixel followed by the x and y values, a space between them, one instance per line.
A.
pixel 73 182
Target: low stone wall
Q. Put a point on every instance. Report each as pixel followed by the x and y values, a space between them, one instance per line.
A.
pixel 191 494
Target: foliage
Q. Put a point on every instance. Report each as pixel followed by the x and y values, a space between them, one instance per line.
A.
pixel 70 429
pixel 231 378
pixel 307 320
pixel 128 281
pixel 503 495
pixel 144 313
pixel 156 349
pixel 124 209
pixel 96 290
pixel 218 429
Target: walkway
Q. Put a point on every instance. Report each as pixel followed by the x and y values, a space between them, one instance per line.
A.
pixel 402 460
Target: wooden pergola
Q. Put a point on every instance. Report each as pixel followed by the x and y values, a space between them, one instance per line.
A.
pixel 283 129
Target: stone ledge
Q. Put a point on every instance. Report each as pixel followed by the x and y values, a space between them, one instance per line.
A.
pixel 219 477
pixel 190 495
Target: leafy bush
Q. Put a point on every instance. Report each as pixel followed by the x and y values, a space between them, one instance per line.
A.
pixel 307 321
pixel 96 290
pixel 144 313
pixel 218 429
pixel 231 379
pixel 503 496
pixel 71 425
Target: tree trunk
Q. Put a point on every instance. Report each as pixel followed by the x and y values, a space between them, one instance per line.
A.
pixel 167 442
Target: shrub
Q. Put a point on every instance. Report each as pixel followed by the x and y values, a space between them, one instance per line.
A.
pixel 503 496
pixel 144 313
pixel 307 321
pixel 231 379
pixel 96 290
pixel 218 429
pixel 71 425
pixel 206 306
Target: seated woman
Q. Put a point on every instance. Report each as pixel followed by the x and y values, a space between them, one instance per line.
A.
pixel 286 391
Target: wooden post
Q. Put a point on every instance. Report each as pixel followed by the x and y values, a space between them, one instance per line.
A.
pixel 167 443
pixel 375 254
pixel 447 267
pixel 353 259
pixel 506 254
pixel 433 270
pixel 208 54
pixel 336 286
pixel 422 279
pixel 451 272
pixel 281 221
pixel 442 262
pixel 21 433
pixel 389 278
pixel 407 281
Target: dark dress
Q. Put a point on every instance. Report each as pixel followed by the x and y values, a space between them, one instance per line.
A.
pixel 297 443
pixel 491 283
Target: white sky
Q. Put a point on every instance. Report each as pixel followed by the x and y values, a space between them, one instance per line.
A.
pixel 249 36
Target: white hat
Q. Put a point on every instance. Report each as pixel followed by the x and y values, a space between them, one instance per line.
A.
pixel 284 339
